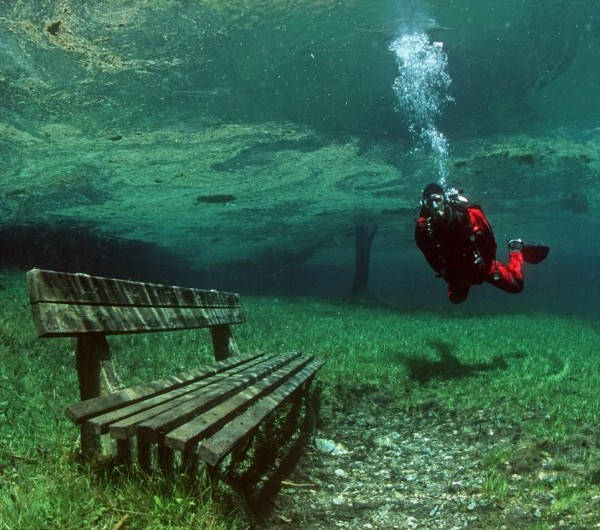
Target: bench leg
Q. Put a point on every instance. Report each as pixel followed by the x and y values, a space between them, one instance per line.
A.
pixel 144 455
pixel 262 483
pixel 189 461
pixel 124 452
pixel 165 459
pixel 97 376
pixel 91 444
pixel 224 344
pixel 292 418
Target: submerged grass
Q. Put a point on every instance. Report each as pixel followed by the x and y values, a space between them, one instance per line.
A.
pixel 535 377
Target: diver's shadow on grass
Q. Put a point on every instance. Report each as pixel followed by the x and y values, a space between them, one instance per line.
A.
pixel 448 367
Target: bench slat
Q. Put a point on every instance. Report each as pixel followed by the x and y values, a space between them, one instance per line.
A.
pixel 51 286
pixel 171 414
pixel 63 320
pixel 122 422
pixel 182 438
pixel 218 445
pixel 124 419
pixel 66 304
pixel 154 429
pixel 84 410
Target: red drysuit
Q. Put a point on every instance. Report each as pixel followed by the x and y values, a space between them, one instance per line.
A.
pixel 461 248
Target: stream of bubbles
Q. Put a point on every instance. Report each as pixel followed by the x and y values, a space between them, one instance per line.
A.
pixel 422 91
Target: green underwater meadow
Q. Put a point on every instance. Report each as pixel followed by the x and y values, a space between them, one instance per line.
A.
pixel 527 383
pixel 244 146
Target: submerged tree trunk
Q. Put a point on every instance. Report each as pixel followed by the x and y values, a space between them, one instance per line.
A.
pixel 365 233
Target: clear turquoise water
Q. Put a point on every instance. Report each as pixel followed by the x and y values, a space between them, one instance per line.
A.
pixel 125 119
pixel 322 63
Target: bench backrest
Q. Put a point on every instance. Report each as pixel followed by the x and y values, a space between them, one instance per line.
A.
pixel 89 308
pixel 66 305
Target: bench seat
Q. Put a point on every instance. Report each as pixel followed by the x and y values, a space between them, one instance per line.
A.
pixel 207 405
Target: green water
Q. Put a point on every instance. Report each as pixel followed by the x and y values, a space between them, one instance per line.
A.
pixel 236 144
pixel 324 64
pixel 250 137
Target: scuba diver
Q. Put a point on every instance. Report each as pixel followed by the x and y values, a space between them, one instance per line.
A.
pixel 459 245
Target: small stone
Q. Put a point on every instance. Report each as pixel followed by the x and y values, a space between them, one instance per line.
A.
pixel 472 505
pixel 340 449
pixel 339 473
pixel 455 487
pixel 324 445
pixel 412 522
pixel 338 500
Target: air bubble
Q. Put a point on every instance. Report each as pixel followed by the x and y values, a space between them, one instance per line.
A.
pixel 422 90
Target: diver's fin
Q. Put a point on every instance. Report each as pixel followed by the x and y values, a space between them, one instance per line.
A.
pixel 534 253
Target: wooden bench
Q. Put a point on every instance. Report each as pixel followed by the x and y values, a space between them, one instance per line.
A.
pixel 205 412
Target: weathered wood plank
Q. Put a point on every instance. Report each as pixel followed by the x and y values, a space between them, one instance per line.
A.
pixel 224 345
pixel 184 437
pixel 84 410
pixel 62 287
pixel 152 429
pixel 123 420
pixel 64 320
pixel 213 449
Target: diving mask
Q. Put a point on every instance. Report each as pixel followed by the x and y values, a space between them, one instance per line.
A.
pixel 434 202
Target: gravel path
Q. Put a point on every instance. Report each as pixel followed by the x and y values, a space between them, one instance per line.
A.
pixel 421 469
